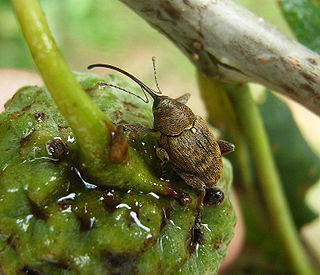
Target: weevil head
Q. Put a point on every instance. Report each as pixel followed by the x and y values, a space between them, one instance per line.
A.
pixel 170 116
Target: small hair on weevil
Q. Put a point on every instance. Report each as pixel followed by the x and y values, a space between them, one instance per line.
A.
pixel 144 87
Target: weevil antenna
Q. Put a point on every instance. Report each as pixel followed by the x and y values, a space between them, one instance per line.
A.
pixel 155 74
pixel 144 87
pixel 101 84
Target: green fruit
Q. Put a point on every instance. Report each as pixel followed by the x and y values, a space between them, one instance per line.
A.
pixel 55 220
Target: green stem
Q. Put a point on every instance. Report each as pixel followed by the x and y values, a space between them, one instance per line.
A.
pixel 84 117
pixel 89 124
pixel 252 126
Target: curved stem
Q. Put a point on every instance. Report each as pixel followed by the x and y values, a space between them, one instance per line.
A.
pixel 88 123
pixel 252 127
pixel 86 120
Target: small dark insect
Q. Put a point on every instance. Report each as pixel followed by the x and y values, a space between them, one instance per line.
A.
pixel 185 141
pixel 57 149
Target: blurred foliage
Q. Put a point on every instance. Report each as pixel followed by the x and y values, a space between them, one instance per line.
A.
pixel 299 168
pixel 13 50
pixel 85 24
pixel 298 165
pixel 270 11
pixel 303 16
pixel 98 31
pixel 99 24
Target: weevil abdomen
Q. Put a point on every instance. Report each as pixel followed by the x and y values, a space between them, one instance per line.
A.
pixel 195 151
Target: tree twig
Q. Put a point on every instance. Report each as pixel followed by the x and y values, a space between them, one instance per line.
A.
pixel 229 43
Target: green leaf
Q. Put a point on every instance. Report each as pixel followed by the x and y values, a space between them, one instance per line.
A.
pixel 298 165
pixel 303 16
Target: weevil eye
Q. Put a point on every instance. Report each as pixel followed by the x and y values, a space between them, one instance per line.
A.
pixel 214 196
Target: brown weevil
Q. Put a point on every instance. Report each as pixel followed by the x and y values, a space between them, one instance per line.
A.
pixel 185 140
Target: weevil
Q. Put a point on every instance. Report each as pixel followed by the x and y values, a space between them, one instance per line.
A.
pixel 185 140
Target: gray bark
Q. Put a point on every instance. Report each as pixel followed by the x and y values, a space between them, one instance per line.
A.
pixel 230 44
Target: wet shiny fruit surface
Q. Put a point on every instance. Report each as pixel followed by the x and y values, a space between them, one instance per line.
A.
pixel 54 220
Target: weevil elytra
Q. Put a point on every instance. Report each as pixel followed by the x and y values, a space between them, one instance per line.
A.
pixel 185 140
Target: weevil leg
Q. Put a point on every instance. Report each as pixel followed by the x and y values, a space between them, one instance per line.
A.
pixel 162 155
pixel 225 146
pixel 196 183
pixel 190 179
pixel 184 98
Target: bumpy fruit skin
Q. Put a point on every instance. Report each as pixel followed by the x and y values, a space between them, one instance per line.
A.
pixel 53 221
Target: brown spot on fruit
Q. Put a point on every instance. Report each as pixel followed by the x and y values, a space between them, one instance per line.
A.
pixel 117 114
pixel 59 263
pixel 129 105
pixel 26 139
pixel 39 117
pixel 28 270
pixel 118 147
pixel 11 242
pixel 134 136
pixel 85 223
pixel 110 201
pixel 58 149
pixel 120 263
pixel 37 211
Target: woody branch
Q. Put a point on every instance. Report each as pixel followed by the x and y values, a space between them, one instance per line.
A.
pixel 230 44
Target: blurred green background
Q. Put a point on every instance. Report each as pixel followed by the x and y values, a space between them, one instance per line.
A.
pixel 102 31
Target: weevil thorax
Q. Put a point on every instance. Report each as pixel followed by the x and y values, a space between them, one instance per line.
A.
pixel 171 117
